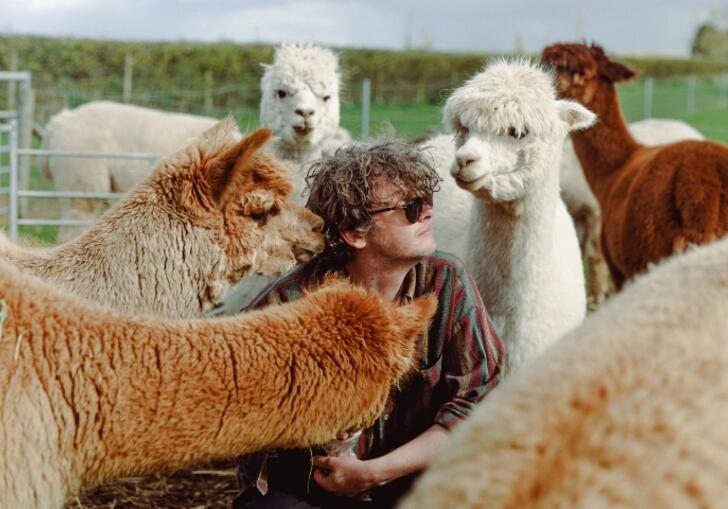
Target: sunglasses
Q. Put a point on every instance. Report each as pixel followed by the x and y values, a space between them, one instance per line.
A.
pixel 412 208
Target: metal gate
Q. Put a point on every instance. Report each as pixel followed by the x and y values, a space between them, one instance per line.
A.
pixel 14 156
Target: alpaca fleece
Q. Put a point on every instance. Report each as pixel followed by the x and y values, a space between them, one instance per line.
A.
pixel 88 395
pixel 654 200
pixel 213 212
pixel 584 207
pixel 627 411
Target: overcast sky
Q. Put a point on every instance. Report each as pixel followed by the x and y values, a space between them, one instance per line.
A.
pixel 621 26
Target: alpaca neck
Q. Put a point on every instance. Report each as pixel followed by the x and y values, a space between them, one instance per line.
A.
pixel 605 147
pixel 298 153
pixel 511 248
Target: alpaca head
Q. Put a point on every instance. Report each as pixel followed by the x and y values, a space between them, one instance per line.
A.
pixel 582 71
pixel 300 94
pixel 509 128
pixel 231 201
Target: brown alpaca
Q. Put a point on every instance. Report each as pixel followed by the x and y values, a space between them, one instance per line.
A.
pixel 654 200
pixel 88 395
pixel 211 213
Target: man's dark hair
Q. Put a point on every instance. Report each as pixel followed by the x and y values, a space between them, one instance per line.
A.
pixel 341 186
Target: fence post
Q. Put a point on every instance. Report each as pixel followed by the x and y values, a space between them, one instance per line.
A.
pixel 648 96
pixel 366 93
pixel 208 92
pixel 128 77
pixel 691 93
pixel 26 105
pixel 723 90
pixel 13 187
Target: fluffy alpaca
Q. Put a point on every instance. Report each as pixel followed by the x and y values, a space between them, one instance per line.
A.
pixel 88 395
pixel 583 205
pixel 300 104
pixel 627 411
pixel 104 126
pixel 522 247
pixel 213 212
pixel 654 200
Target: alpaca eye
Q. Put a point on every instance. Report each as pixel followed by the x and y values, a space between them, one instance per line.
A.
pixel 259 217
pixel 326 98
pixel 517 135
pixel 462 130
pixel 281 94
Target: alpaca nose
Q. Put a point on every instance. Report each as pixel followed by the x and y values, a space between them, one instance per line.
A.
pixel 305 112
pixel 464 161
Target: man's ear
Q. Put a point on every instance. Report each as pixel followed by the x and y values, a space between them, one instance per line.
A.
pixel 353 239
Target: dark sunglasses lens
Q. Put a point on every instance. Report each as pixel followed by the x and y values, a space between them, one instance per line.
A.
pixel 413 210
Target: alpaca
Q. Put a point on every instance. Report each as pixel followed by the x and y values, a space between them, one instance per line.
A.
pixel 583 205
pixel 105 126
pixel 210 214
pixel 654 200
pixel 88 395
pixel 627 411
pixel 522 247
pixel 300 104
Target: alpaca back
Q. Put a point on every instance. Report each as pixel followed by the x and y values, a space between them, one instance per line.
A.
pixel 628 410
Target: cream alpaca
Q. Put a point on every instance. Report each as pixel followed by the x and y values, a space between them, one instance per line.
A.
pixel 210 214
pixel 627 411
pixel 88 395
pixel 522 247
pixel 105 126
pixel 583 205
pixel 300 104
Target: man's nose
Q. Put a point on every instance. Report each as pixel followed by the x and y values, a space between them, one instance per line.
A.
pixel 427 212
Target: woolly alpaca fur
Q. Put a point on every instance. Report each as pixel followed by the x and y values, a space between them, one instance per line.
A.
pixel 522 247
pixel 105 126
pixel 627 411
pixel 213 212
pixel 654 200
pixel 88 395
pixel 583 205
pixel 300 104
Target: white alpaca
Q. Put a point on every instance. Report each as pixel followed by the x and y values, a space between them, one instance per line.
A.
pixel 213 212
pixel 105 126
pixel 522 247
pixel 583 205
pixel 627 411
pixel 300 104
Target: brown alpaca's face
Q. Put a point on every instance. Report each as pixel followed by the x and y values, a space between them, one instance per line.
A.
pixel 576 71
pixel 266 232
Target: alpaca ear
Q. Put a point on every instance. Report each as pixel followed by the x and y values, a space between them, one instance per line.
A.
pixel 223 176
pixel 413 318
pixel 575 115
pixel 616 72
pixel 258 202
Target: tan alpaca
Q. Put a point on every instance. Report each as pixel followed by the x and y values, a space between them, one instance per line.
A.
pixel 210 214
pixel 88 395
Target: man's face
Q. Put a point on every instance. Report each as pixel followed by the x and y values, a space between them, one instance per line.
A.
pixel 393 236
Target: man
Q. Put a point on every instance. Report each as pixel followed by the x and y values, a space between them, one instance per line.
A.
pixel 376 202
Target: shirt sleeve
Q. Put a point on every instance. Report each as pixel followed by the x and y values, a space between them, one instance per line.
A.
pixel 473 357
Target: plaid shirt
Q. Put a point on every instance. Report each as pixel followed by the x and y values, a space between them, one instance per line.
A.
pixel 460 361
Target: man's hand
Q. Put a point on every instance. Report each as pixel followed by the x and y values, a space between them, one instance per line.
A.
pixel 346 476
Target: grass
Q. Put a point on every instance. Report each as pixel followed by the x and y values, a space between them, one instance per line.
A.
pixel 411 120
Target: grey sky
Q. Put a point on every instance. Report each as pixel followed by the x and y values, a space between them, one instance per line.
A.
pixel 621 26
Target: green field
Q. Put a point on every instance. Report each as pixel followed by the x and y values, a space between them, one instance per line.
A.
pixel 670 99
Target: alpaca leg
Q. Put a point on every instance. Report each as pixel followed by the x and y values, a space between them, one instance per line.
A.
pixel 598 282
